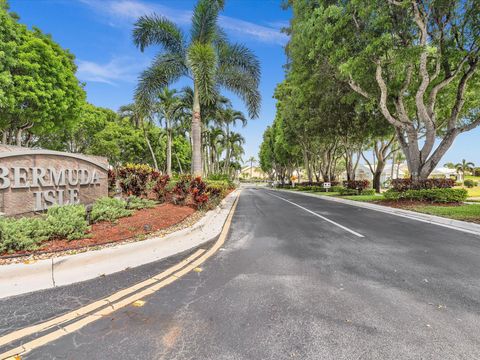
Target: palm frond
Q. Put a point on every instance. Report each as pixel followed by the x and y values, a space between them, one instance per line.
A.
pixel 158 30
pixel 204 20
pixel 202 62
pixel 243 85
pixel 239 56
pixel 164 70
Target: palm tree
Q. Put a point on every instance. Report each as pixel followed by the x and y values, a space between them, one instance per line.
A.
pixel 208 59
pixel 252 160
pixel 234 147
pixel 136 116
pixel 229 117
pixel 464 166
pixel 169 107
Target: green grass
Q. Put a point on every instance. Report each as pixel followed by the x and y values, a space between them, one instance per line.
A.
pixel 364 197
pixel 471 177
pixel 467 212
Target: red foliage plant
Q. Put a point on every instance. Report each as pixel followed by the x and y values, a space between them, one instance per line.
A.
pixel 160 187
pixel 198 189
pixel 357 184
pixel 409 184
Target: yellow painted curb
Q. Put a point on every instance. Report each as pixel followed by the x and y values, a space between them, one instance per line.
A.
pixel 110 303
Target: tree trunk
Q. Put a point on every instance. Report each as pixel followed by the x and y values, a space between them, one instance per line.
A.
pixel 377 176
pixel 19 137
pixel 196 134
pixel 149 145
pixel 169 148
pixel 226 165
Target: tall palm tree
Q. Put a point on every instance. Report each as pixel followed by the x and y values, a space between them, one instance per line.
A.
pixel 230 117
pixel 234 147
pixel 207 58
pixel 464 166
pixel 169 108
pixel 136 116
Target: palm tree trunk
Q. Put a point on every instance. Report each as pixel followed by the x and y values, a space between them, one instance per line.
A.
pixel 196 134
pixel 155 164
pixel 169 148
pixel 226 165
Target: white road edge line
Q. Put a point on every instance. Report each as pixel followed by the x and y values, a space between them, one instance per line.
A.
pixel 321 217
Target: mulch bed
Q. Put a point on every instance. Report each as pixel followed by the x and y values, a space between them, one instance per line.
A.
pixel 141 223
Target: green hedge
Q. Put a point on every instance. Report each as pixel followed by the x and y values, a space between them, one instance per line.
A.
pixel 62 222
pixel 432 195
pixel 109 209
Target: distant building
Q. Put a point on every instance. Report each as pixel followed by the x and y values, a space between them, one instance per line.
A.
pixel 253 172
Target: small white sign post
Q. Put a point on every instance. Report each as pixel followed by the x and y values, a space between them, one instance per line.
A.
pixel 326 186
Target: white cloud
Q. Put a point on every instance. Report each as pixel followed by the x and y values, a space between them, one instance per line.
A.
pixel 119 10
pixel 259 32
pixel 118 69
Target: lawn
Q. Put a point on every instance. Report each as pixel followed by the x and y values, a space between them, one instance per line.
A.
pixel 461 212
pixel 472 192
pixel 364 197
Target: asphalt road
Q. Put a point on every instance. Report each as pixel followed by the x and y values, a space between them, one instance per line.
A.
pixel 299 277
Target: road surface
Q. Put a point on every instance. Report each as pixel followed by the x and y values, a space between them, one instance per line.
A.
pixel 297 278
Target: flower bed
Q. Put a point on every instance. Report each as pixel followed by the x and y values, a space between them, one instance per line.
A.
pixel 114 219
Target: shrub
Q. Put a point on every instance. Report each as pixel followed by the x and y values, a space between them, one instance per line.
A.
pixel 432 195
pixel 409 184
pixel 134 178
pixel 359 185
pixel 476 171
pixel 109 209
pixel 22 234
pixel 136 203
pixel 112 181
pixel 180 191
pixel 160 187
pixel 198 191
pixel 348 191
pixel 469 183
pixel 67 222
pixel 368 192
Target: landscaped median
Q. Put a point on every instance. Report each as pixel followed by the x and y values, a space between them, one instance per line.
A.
pixel 169 216
pixel 145 203
pixel 432 196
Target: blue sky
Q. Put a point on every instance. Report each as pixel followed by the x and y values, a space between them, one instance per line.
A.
pixel 98 33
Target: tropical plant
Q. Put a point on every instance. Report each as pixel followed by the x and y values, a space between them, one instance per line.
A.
pixel 251 160
pixel 134 114
pixel 207 58
pixel 464 166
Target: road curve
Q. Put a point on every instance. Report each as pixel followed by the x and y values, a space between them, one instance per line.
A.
pixel 298 277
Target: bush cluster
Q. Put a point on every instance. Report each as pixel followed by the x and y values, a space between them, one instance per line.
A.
pixel 359 185
pixel 134 179
pixel 63 222
pixel 409 184
pixel 469 183
pixel 438 195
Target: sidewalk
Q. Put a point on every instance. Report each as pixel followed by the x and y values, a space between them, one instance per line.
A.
pixel 22 278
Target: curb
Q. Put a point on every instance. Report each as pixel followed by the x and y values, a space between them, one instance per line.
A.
pixel 16 279
pixel 458 225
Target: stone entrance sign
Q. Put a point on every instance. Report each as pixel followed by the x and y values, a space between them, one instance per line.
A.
pixel 33 180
